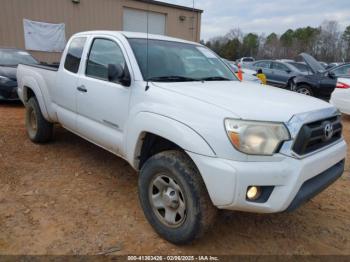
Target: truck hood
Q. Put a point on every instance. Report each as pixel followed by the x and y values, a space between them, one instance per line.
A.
pixel 248 101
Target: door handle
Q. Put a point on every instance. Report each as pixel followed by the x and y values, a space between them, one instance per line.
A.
pixel 82 88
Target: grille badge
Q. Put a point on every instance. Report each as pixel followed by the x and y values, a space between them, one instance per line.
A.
pixel 327 131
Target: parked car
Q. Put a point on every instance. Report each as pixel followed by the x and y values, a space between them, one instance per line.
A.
pixel 248 74
pixel 324 64
pixel 321 83
pixel 342 70
pixel 245 61
pixel 9 60
pixel 199 138
pixel 277 73
pixel 341 95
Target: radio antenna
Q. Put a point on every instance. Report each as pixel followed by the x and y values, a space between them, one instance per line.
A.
pixel 193 21
pixel 147 55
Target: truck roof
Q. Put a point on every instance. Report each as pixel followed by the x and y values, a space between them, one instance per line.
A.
pixel 135 35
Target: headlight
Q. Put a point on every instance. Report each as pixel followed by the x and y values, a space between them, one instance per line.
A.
pixel 4 79
pixel 256 138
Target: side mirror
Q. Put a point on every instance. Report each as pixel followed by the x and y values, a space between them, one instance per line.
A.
pixel 116 73
pixel 331 75
pixel 288 71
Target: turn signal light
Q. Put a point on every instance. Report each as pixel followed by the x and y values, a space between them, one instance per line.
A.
pixel 342 85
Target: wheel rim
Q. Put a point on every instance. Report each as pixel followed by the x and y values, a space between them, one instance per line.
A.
pixel 32 121
pixel 167 200
pixel 304 91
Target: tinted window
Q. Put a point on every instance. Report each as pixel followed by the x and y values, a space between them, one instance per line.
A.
pixel 263 64
pixel 74 53
pixel 10 57
pixel 343 70
pixel 103 52
pixel 279 66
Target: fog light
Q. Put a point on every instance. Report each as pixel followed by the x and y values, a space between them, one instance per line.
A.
pixel 253 192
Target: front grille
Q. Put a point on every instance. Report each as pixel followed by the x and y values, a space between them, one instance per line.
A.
pixel 312 137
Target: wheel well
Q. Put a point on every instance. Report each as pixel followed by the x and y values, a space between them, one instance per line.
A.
pixel 29 93
pixel 153 144
pixel 303 84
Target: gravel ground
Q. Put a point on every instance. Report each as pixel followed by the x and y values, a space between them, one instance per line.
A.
pixel 71 197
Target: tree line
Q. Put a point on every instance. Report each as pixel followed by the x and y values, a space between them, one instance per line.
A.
pixel 326 43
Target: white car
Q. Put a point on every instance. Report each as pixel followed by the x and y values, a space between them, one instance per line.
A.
pixel 199 138
pixel 248 74
pixel 341 95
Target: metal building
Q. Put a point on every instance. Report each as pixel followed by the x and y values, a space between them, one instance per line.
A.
pixel 85 15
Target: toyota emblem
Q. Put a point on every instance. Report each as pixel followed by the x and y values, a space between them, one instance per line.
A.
pixel 328 131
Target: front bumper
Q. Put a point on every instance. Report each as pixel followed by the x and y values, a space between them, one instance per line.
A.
pixel 227 181
pixel 9 92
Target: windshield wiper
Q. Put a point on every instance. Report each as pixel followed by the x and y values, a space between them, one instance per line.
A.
pixel 215 78
pixel 172 79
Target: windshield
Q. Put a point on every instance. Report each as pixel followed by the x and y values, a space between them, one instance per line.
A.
pixel 15 57
pixel 170 61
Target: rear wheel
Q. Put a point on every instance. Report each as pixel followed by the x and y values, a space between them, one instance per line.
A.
pixel 305 90
pixel 39 130
pixel 174 198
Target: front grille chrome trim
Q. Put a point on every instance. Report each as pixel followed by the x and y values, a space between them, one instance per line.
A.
pixel 298 121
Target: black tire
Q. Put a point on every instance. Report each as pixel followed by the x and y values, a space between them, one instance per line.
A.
pixel 304 89
pixel 200 212
pixel 38 129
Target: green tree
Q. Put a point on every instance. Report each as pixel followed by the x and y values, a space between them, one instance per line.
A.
pixel 346 39
pixel 250 45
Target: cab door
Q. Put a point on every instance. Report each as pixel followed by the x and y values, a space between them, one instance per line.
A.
pixel 102 105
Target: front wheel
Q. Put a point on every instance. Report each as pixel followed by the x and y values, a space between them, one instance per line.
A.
pixel 174 198
pixel 305 90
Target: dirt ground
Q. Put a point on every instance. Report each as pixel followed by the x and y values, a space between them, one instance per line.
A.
pixel 71 197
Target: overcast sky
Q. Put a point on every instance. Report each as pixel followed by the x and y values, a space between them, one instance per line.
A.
pixel 266 15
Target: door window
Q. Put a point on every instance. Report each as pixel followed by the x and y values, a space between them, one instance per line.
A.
pixel 279 66
pixel 263 64
pixel 103 52
pixel 74 53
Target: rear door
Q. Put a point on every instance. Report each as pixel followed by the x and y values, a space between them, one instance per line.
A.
pixel 280 73
pixel 64 93
pixel 102 105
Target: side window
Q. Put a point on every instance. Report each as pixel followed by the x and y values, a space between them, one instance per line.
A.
pixel 74 53
pixel 263 64
pixel 102 53
pixel 279 66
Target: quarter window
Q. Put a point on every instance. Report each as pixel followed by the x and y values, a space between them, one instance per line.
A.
pixel 103 52
pixel 74 53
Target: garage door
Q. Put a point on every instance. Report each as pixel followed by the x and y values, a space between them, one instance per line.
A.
pixel 136 21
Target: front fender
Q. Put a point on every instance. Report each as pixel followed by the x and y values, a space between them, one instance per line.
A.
pixel 173 130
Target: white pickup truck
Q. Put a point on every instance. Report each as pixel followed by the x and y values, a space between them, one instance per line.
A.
pixel 199 138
